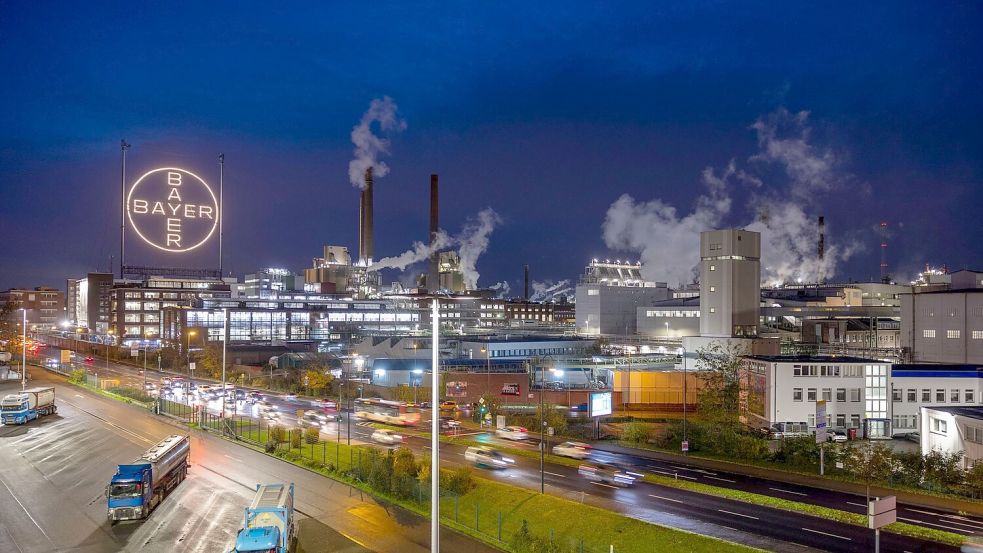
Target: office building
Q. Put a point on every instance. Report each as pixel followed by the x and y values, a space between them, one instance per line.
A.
pixel 89 303
pixel 269 282
pixel 914 386
pixel 953 429
pixel 45 306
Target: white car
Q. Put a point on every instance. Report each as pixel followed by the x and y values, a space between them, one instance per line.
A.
pixel 836 436
pixel 575 450
pixel 323 418
pixel 387 437
pixel 484 456
pixel 512 433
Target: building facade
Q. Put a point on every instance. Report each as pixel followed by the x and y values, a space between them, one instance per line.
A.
pixel 914 386
pixel 730 283
pixel 953 429
pixel 45 306
pixel 271 281
pixel 944 326
pixel 609 295
pixel 89 303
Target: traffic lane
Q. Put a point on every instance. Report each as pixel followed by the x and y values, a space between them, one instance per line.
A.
pixel 966 525
pixel 359 519
pixel 62 464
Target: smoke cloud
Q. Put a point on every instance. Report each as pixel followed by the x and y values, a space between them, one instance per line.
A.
pixel 502 289
pixel 550 291
pixel 668 242
pixel 473 242
pixel 417 253
pixel 368 146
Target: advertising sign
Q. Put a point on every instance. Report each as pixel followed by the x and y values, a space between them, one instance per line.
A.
pixel 600 404
pixel 511 389
pixel 457 389
pixel 172 209
pixel 821 421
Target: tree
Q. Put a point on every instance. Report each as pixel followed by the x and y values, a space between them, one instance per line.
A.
pixel 720 367
pixel 316 380
pixel 974 480
pixel 209 362
pixel 10 333
pixel 942 469
pixel 869 463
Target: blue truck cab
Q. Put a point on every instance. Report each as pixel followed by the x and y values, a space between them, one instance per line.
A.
pixel 25 406
pixel 268 524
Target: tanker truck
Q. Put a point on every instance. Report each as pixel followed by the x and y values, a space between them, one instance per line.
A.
pixel 268 526
pixel 27 405
pixel 136 489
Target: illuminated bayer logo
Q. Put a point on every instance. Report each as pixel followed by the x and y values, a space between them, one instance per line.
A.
pixel 172 209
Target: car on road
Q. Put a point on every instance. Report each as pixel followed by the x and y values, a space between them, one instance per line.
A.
pixel 387 437
pixel 512 433
pixel 89 360
pixel 308 420
pixel 290 397
pixel 836 436
pixel 449 424
pixel 484 456
pixel 253 397
pixel 264 406
pixel 448 405
pixel 575 450
pixel 606 473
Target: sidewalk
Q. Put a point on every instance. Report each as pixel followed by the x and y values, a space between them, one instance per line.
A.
pixel 814 481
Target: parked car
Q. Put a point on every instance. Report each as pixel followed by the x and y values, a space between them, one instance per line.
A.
pixel 836 436
pixel 388 437
pixel 606 473
pixel 484 456
pixel 512 433
pixel 913 437
pixel 575 450
pixel 89 360
pixel 253 397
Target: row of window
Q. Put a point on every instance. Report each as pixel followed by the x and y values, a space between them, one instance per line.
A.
pixel 672 313
pixel 827 394
pixel 954 334
pixel 853 371
pixel 969 396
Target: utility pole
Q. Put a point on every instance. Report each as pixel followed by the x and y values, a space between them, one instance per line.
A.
pixel 123 147
pixel 225 340
pixel 23 355
pixel 221 210
pixel 435 430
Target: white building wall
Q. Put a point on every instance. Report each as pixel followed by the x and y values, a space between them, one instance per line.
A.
pixel 910 394
pixel 605 309
pixel 952 432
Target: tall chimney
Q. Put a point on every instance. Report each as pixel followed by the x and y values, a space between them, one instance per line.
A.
pixel 822 249
pixel 883 251
pixel 365 241
pixel 433 276
pixel 525 279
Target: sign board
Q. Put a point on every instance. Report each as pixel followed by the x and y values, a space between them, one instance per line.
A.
pixel 685 446
pixel 500 421
pixel 457 389
pixel 191 365
pixel 172 209
pixel 511 389
pixel 549 431
pixel 66 356
pixel 881 512
pixel 134 353
pixel 821 421
pixel 600 404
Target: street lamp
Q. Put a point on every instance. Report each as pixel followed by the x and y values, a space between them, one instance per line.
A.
pixel 685 398
pixel 487 353
pixel 188 351
pixel 23 355
pixel 435 431
pixel 109 340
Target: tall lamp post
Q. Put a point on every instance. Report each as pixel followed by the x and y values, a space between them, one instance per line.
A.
pixel 109 340
pixel 23 354
pixel 225 340
pixel 435 429
pixel 685 398
pixel 487 352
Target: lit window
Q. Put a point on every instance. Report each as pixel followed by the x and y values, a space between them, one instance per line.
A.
pixel 713 309
pixel 713 288
pixel 978 335
pixel 928 333
pixel 713 267
pixel 952 334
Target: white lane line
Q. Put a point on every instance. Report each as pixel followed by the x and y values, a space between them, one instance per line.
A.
pixel 666 498
pixel 951 528
pixel 26 512
pixel 722 479
pixel 737 514
pixel 234 458
pixel 788 491
pixel 855 504
pixel 605 485
pixel 827 534
pixel 930 513
pixel 964 519
pixel 555 474
pixel 674 475
pixel 966 524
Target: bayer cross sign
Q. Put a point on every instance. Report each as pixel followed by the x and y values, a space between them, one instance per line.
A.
pixel 172 209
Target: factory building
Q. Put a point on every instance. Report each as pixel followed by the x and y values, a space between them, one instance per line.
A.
pixel 944 326
pixel 730 283
pixel 953 429
pixel 609 295
pixel 271 281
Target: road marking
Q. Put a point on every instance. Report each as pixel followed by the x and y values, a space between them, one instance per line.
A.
pixel 666 498
pixel 674 474
pixel 856 504
pixel 605 485
pixel 827 534
pixel 966 520
pixel 234 458
pixel 723 479
pixel 737 514
pixel 80 395
pixel 788 491
pixel 914 521
pixel 555 474
pixel 970 524
pixel 23 508
pixel 930 513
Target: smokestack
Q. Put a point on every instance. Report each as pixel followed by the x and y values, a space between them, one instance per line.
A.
pixel 883 251
pixel 821 249
pixel 365 228
pixel 525 287
pixel 433 277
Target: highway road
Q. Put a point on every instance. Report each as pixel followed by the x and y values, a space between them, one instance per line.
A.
pixel 53 473
pixel 735 521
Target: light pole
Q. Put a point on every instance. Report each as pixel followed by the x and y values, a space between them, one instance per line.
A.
pixel 188 351
pixel 109 339
pixel 435 431
pixel 487 352
pixel 685 399
pixel 23 355
pixel 225 340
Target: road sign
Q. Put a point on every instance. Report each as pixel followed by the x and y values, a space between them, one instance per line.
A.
pixel 685 446
pixel 549 431
pixel 881 512
pixel 191 365
pixel 134 353
pixel 821 421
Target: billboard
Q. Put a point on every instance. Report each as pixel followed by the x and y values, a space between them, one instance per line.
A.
pixel 172 209
pixel 511 389
pixel 600 404
pixel 457 389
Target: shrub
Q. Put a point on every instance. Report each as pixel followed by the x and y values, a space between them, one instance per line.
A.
pixel 636 432
pixel 270 446
pixel 312 435
pixel 295 436
pixel 278 434
pixel 77 376
pixel 131 393
pixel 459 481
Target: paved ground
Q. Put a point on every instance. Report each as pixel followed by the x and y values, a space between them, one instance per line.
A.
pixel 53 473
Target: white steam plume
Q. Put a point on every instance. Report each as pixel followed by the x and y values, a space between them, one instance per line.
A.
pixel 501 289
pixel 418 252
pixel 368 146
pixel 549 291
pixel 668 243
pixel 473 242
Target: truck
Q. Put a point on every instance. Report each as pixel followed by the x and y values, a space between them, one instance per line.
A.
pixel 28 405
pixel 268 525
pixel 136 489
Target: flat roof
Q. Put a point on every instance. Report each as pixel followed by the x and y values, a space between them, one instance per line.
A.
pixel 927 370
pixel 970 412
pixel 522 338
pixel 956 291
pixel 814 359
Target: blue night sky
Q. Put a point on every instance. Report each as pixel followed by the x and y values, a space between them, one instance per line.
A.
pixel 547 114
